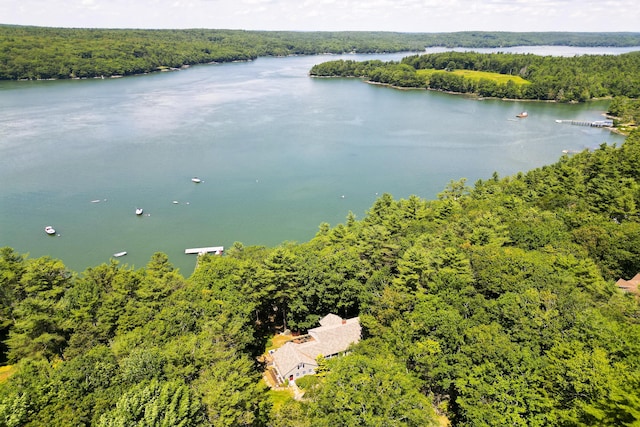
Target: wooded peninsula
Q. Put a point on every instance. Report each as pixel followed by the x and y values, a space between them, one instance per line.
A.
pixel 502 75
pixel 498 303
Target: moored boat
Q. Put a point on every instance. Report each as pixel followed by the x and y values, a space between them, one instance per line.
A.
pixel 196 180
pixel 119 254
pixel 49 230
pixel 139 211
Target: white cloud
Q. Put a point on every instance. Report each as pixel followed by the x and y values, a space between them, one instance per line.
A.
pixel 385 15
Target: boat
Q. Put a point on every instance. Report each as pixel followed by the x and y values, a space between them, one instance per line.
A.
pixel 119 254
pixel 522 115
pixel 196 180
pixel 139 211
pixel 49 230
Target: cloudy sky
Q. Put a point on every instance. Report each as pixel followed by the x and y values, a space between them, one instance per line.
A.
pixel 329 15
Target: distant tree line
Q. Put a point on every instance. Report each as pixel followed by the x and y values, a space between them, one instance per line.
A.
pixel 563 79
pixel 61 53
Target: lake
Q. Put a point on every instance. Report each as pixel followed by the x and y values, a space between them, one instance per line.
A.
pixel 278 153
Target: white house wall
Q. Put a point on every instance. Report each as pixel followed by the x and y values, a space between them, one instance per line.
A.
pixel 300 372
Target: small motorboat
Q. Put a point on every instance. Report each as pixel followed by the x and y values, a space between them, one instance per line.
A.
pixel 522 115
pixel 49 230
pixel 196 180
pixel 119 254
pixel 139 211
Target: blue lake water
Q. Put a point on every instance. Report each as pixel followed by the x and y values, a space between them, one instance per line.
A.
pixel 278 154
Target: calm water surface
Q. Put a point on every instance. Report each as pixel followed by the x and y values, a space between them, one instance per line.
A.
pixel 278 154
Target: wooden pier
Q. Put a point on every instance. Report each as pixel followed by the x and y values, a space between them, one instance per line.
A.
pixel 217 250
pixel 594 124
pixel 200 251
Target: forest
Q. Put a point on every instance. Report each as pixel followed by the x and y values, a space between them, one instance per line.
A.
pixel 493 304
pixel 28 53
pixel 548 78
pixel 626 112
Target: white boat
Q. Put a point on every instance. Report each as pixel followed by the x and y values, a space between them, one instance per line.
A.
pixel 522 115
pixel 196 180
pixel 119 254
pixel 139 211
pixel 49 230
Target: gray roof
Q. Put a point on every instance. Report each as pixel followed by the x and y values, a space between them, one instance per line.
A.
pixel 334 336
pixel 330 319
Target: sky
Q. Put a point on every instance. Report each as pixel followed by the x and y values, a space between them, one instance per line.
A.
pixel 330 15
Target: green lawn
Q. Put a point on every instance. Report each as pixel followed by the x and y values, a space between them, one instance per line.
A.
pixel 477 75
pixel 277 341
pixel 5 372
pixel 279 397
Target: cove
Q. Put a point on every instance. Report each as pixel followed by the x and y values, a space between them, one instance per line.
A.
pixel 277 152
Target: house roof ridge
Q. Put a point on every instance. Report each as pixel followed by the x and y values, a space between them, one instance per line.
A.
pixel 334 336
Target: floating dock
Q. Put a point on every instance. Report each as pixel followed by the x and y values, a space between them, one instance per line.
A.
pixel 211 249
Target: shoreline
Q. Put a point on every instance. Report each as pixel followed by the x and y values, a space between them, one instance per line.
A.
pixel 468 94
pixel 474 96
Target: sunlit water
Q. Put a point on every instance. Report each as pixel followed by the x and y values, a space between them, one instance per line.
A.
pixel 278 154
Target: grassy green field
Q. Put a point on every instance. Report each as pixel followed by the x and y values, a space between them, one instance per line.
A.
pixel 6 372
pixel 280 397
pixel 478 75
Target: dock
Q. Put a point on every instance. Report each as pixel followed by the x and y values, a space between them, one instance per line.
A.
pixel 211 249
pixel 594 124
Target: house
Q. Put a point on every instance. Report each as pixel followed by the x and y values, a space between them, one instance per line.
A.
pixel 297 357
pixel 630 286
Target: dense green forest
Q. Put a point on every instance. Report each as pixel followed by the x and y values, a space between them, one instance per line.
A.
pixel 493 304
pixel 626 112
pixel 563 79
pixel 60 53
